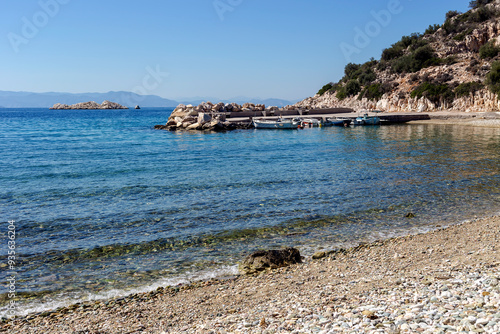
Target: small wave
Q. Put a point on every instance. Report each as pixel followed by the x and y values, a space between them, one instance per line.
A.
pixel 62 300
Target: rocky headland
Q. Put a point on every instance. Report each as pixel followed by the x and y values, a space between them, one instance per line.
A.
pixel 453 66
pixel 89 106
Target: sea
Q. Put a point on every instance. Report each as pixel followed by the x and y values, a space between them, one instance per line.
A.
pixel 98 204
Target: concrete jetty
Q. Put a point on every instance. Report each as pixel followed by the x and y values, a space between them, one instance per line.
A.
pixel 386 117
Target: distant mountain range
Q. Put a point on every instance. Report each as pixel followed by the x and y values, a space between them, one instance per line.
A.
pixel 47 100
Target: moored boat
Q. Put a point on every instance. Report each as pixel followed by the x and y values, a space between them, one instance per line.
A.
pixel 310 122
pixel 280 123
pixel 367 120
pixel 339 121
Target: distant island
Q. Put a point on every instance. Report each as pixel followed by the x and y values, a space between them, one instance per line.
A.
pixel 11 99
pixel 89 106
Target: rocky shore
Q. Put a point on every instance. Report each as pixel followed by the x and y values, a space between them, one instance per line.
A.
pixel 443 281
pixel 213 117
pixel 89 106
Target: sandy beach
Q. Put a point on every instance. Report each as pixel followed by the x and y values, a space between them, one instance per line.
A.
pixel 446 280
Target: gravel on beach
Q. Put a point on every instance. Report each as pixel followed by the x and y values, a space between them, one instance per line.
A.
pixel 443 281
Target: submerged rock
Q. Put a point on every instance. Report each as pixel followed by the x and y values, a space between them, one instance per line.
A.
pixel 271 259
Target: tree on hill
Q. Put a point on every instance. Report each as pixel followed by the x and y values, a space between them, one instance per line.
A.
pixel 452 14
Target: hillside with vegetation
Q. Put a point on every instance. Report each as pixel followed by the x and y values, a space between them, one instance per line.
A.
pixel 453 66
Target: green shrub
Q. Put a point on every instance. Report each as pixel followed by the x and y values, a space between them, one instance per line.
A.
pixel 482 14
pixel 423 54
pixel 443 77
pixel 351 71
pixel 432 29
pixel 465 89
pixel 451 14
pixel 452 26
pixel 325 88
pixel 404 65
pixel 489 50
pixel 383 65
pixel 334 88
pixel 355 71
pixel 460 23
pixel 392 53
pixel 372 92
pixel 415 61
pixel 461 36
pixel 341 93
pixel 366 78
pixel 493 78
pixel 414 41
pixel 434 92
pixel 352 87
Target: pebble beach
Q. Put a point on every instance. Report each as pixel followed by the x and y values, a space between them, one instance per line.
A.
pixel 442 281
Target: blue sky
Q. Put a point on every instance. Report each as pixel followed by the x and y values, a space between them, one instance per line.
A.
pixel 208 48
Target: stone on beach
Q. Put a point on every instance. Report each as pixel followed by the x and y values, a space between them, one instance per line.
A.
pixel 272 259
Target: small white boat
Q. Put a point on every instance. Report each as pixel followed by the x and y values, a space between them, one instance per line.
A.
pixel 280 123
pixel 310 122
pixel 367 120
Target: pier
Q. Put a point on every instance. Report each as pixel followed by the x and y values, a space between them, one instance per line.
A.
pixel 385 117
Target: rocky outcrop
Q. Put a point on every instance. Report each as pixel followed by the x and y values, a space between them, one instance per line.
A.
pixel 400 100
pixel 272 259
pixel 466 66
pixel 89 105
pixel 209 117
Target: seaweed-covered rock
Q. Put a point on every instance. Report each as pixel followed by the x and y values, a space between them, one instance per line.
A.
pixel 271 259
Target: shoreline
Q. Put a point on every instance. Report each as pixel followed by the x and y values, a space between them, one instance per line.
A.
pixel 196 119
pixel 329 293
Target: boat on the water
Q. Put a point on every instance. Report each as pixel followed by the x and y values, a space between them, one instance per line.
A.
pixel 339 121
pixel 313 122
pixel 280 123
pixel 367 120
pixel 310 122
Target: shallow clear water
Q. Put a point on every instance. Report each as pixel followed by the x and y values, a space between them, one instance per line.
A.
pixel 103 204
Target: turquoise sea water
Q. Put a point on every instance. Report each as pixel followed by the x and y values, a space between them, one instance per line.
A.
pixel 103 205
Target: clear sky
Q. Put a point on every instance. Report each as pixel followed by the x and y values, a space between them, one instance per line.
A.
pixel 198 48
